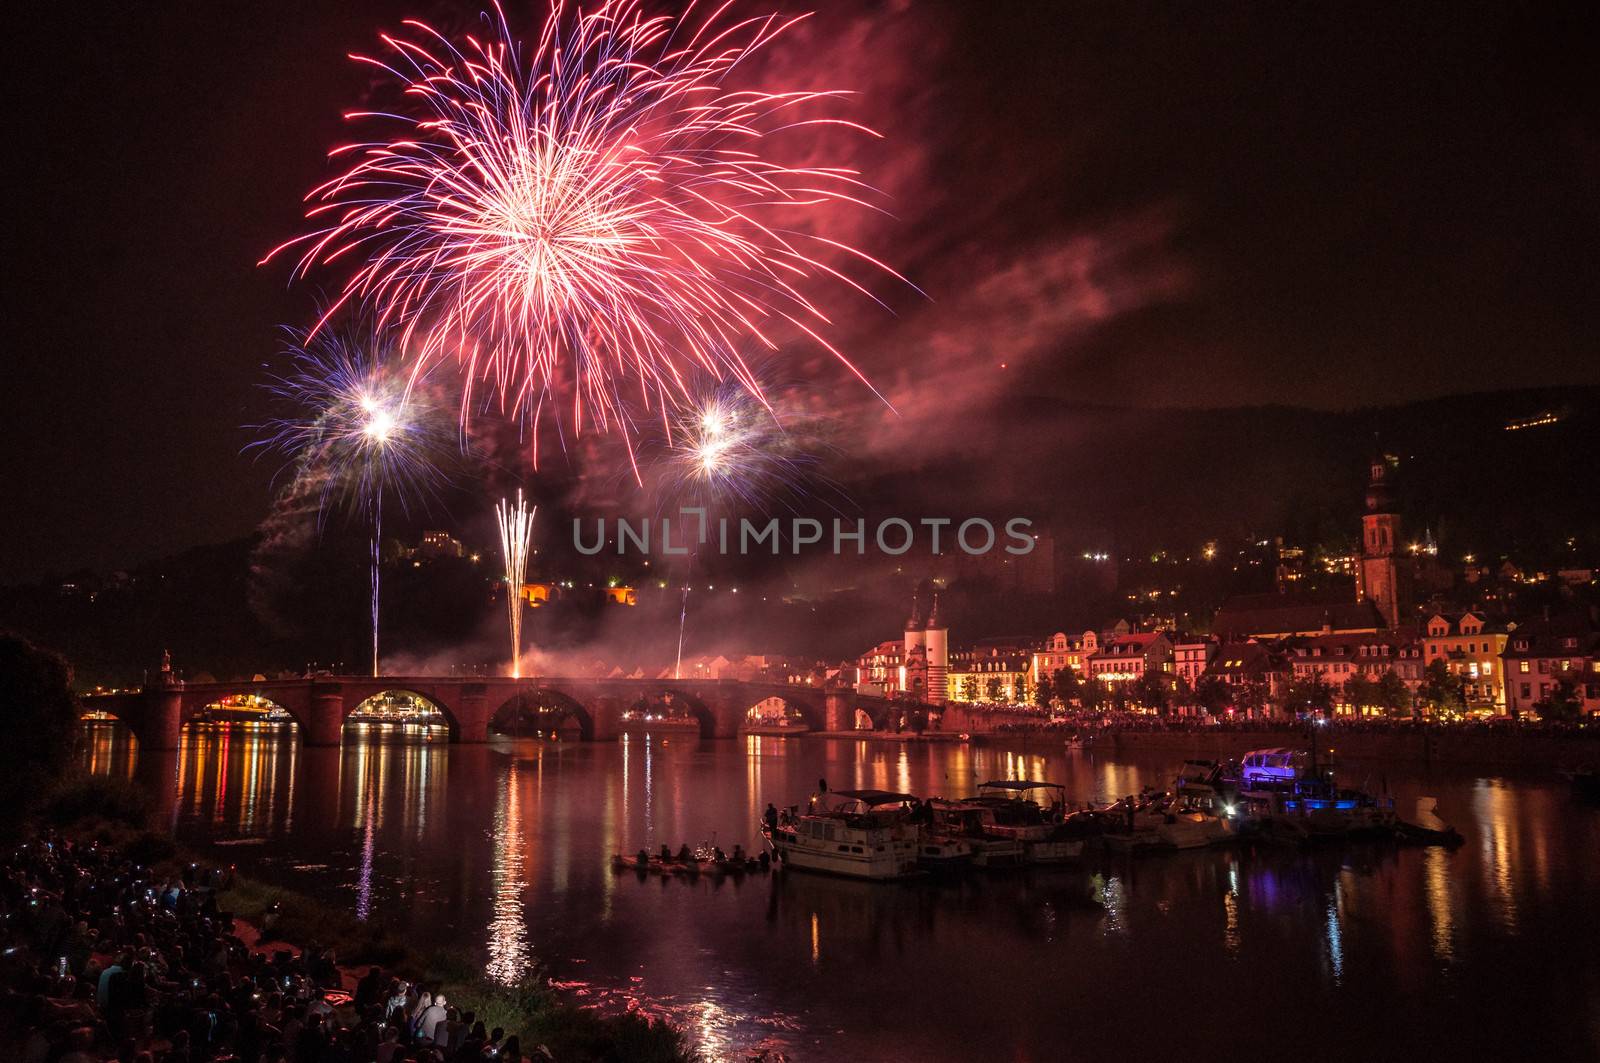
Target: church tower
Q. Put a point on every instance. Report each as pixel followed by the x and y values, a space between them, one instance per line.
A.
pixel 1377 575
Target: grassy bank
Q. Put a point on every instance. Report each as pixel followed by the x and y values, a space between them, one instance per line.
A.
pixel 115 813
pixel 529 1008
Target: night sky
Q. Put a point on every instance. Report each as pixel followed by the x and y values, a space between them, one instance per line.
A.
pixel 1144 204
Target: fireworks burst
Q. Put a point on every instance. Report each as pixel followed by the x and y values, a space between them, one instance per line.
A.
pixel 360 424
pixel 728 447
pixel 594 217
pixel 516 533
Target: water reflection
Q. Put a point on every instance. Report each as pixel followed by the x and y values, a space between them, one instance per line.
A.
pixel 508 845
pixel 508 930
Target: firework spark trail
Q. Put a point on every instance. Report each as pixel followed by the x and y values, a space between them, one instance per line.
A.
pixel 362 425
pixel 592 218
pixel 516 532
pixel 683 620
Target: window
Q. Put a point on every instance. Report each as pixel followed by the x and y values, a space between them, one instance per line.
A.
pixel 1522 666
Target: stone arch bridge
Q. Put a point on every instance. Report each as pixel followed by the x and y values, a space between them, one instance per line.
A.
pixel 320 704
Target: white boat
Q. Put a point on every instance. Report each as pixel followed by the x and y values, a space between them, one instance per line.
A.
pixel 1162 823
pixel 1273 767
pixel 857 833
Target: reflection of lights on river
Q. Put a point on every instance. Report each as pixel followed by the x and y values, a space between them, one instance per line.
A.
pixel 816 941
pixel 1230 905
pixel 1114 896
pixel 1335 930
pixel 1495 806
pixel 508 929
pixel 1441 902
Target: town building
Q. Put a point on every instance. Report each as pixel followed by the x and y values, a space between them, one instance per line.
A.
pixel 997 674
pixel 1191 656
pixel 1255 676
pixel 1122 658
pixel 439 544
pixel 1060 651
pixel 1471 647
pixel 1540 655
pixel 1337 659
pixel 879 671
pixel 1281 616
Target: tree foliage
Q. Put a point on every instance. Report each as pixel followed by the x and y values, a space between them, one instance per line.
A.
pixel 39 716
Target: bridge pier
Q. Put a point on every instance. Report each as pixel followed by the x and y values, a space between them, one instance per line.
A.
pixel 158 721
pixel 839 709
pixel 325 727
pixel 606 718
pixel 472 714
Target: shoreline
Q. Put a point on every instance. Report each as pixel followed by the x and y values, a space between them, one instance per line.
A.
pixel 1426 746
pixel 280 917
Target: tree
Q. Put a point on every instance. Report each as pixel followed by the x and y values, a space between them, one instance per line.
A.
pixel 1150 690
pixel 1182 692
pixel 39 716
pixel 1361 692
pixel 1562 703
pixel 1019 689
pixel 1308 695
pixel 1393 696
pixel 969 688
pixel 1212 693
pixel 1252 695
pixel 1067 685
pixel 1441 689
pixel 1043 692
pixel 1092 692
pixel 994 688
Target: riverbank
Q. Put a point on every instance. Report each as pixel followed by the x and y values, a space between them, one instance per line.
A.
pixel 1531 749
pixel 1424 746
pixel 103 819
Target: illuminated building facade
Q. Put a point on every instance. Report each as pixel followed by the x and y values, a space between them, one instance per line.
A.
pixel 1191 656
pixel 1337 659
pixel 1060 651
pixel 1127 657
pixel 1541 655
pixel 1471 648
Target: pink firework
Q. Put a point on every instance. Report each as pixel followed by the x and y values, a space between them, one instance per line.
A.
pixel 592 218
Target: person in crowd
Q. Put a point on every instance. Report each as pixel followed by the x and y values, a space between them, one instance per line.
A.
pixel 146 969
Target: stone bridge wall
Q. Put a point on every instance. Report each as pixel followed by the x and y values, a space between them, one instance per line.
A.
pixel 320 705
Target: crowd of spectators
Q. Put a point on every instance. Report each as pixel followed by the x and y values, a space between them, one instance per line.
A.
pixel 103 959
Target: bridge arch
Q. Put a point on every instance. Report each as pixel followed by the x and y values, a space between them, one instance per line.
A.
pixel 238 707
pixel 541 708
pixel 399 705
pixel 774 709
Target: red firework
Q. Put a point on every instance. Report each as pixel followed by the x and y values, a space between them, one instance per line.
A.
pixel 594 217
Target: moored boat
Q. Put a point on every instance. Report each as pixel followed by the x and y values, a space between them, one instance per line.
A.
pixel 1032 813
pixel 989 851
pixel 857 833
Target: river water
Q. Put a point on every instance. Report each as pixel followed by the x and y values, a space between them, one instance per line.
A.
pixel 1362 952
